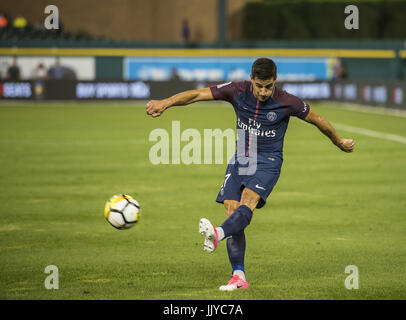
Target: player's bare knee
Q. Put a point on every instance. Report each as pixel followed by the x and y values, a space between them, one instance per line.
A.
pixel 250 199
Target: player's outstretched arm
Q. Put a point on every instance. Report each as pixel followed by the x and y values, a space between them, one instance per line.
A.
pixel 346 145
pixel 156 107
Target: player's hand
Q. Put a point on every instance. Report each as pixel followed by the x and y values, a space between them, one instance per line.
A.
pixel 347 145
pixel 156 107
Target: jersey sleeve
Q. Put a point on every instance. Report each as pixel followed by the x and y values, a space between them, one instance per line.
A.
pixel 225 91
pixel 300 108
pixel 296 106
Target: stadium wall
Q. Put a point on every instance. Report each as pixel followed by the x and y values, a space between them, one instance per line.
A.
pixel 157 20
pixel 363 62
pixel 83 67
pixel 136 20
pixel 314 20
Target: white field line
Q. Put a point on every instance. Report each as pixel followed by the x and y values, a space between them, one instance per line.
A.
pixel 371 133
pixel 363 108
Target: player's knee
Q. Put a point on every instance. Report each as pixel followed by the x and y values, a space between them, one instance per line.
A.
pixel 250 199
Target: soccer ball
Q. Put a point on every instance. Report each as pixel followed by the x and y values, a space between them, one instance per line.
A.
pixel 122 211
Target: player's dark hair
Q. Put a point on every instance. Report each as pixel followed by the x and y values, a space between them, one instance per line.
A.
pixel 263 69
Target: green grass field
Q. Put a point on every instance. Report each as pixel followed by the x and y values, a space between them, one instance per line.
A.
pixel 60 162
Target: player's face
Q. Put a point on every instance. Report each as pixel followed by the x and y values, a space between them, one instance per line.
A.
pixel 262 89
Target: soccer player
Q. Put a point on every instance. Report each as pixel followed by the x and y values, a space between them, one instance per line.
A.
pixel 263 112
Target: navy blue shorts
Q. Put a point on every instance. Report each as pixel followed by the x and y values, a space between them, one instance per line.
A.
pixel 260 177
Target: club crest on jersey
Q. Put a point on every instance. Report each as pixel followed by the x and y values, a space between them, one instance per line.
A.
pixel 271 116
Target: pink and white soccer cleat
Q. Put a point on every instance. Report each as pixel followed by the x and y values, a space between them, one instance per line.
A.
pixel 210 235
pixel 235 283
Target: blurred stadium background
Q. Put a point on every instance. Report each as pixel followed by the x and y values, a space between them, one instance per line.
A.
pixel 63 153
pixel 142 50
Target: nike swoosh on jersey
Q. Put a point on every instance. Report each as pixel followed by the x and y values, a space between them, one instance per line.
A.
pixel 257 186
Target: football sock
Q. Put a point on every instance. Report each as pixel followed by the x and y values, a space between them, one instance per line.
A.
pixel 238 221
pixel 220 233
pixel 236 252
pixel 240 273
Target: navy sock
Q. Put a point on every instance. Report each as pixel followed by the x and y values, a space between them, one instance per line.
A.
pixel 238 221
pixel 236 250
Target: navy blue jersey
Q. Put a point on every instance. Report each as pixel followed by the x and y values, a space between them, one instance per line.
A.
pixel 267 120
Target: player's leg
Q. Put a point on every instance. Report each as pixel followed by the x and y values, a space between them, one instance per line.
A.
pixel 242 216
pixel 230 206
pixel 236 243
pixel 263 183
pixel 229 191
pixel 235 223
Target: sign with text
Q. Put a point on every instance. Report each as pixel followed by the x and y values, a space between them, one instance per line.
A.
pixel 222 68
